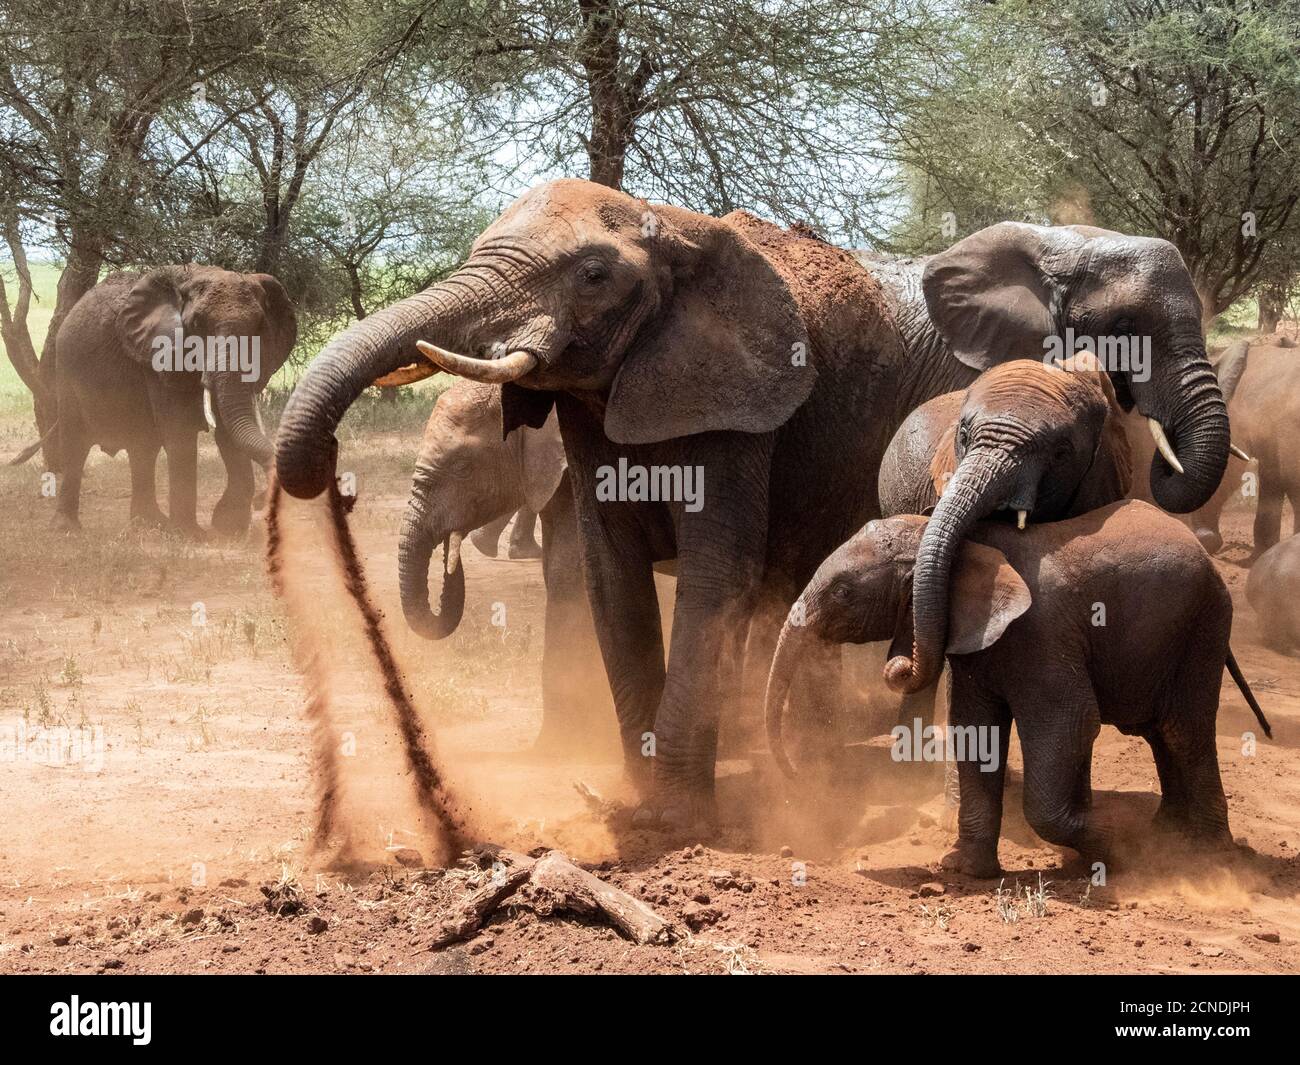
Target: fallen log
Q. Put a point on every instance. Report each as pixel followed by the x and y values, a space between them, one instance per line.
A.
pixel 554 884
pixel 557 884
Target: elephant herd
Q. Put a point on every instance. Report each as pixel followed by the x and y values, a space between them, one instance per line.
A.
pixel 884 455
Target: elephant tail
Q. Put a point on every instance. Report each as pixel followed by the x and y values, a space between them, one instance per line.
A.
pixel 31 449
pixel 1247 694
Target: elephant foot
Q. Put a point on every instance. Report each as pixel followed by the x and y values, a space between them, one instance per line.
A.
pixel 149 519
pixel 231 521
pixel 188 530
pixel 692 813
pixel 980 861
pixel 525 550
pixel 66 523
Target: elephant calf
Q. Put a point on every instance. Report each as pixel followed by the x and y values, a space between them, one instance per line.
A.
pixel 1117 616
pixel 1273 590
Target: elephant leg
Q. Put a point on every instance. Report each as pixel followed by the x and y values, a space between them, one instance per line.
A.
pixel 523 544
pixel 1057 727
pixel 577 713
pixel 1268 513
pixel 979 820
pixel 625 612
pixel 1173 792
pixel 182 482
pixel 74 447
pixel 1187 727
pixel 231 515
pixel 144 497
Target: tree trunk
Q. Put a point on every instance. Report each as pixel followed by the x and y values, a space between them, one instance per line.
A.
pixel 1271 305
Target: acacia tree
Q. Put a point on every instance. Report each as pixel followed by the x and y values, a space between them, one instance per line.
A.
pixel 713 104
pixel 1177 118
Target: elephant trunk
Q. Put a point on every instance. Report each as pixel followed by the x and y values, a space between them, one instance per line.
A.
pixel 367 350
pixel 1198 431
pixel 236 405
pixel 414 551
pixel 785 664
pixel 975 491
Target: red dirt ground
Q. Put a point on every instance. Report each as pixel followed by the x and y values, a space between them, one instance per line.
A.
pixel 165 858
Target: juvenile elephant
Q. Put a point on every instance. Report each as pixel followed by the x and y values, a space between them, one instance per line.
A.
pixel 466 476
pixel 1273 591
pixel 1261 385
pixel 1026 642
pixel 725 391
pixel 133 360
pixel 1046 443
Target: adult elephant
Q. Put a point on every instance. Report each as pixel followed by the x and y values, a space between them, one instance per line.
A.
pixel 467 476
pixel 768 363
pixel 133 360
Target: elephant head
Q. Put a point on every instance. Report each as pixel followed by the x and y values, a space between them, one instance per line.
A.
pixel 1023 290
pixel 862 593
pixel 465 476
pixel 1040 442
pixel 671 323
pixel 230 330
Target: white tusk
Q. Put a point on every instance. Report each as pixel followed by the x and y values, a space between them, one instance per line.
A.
pixel 1239 453
pixel 453 552
pixel 1162 445
pixel 257 415
pixel 208 416
pixel 488 371
pixel 1021 517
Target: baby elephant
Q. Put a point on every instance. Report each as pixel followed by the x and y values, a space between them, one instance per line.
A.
pixel 1117 616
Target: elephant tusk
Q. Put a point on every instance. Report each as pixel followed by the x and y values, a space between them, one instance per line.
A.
pixel 453 551
pixel 208 416
pixel 1021 517
pixel 1239 453
pixel 406 375
pixel 1162 445
pixel 487 371
pixel 257 415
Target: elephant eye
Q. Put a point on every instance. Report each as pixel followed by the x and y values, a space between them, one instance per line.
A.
pixel 593 272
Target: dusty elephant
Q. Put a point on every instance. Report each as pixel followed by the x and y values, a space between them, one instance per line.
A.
pixel 466 476
pixel 133 360
pixel 1273 591
pixel 674 345
pixel 1261 385
pixel 1024 645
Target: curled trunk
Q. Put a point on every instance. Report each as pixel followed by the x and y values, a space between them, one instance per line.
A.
pixel 414 553
pixel 350 363
pixel 1197 427
pixel 975 491
pixel 236 404
pixel 785 663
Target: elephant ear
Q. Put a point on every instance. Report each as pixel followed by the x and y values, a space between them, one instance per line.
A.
pixel 1230 368
pixel 541 462
pixel 1110 476
pixel 281 321
pixel 727 350
pixel 991 295
pixel 987 596
pixel 152 309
